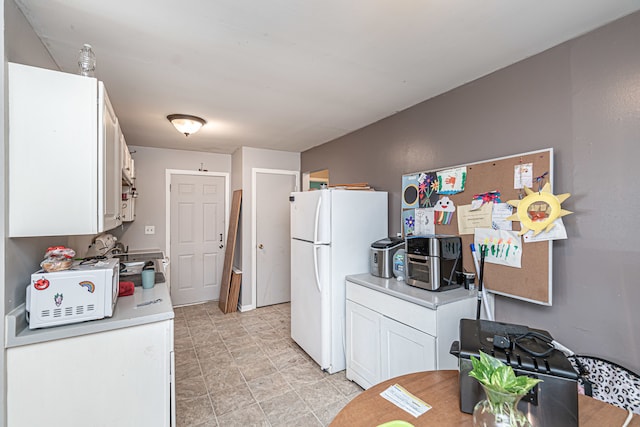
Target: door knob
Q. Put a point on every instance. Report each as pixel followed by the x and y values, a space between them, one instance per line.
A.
pixel 260 246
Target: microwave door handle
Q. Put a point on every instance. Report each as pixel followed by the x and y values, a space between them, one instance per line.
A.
pixel 317 221
pixel 315 266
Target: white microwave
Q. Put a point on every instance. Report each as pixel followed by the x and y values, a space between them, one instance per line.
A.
pixel 87 291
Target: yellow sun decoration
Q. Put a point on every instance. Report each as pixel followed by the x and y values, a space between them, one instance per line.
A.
pixel 538 210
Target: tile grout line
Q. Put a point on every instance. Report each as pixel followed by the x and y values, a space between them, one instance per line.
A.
pixel 215 416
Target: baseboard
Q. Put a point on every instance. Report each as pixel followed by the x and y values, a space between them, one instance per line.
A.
pixel 243 308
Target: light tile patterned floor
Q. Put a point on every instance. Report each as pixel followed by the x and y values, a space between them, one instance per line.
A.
pixel 243 369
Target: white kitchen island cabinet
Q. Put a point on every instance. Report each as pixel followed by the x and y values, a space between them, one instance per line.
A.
pixel 64 155
pixel 110 372
pixel 394 329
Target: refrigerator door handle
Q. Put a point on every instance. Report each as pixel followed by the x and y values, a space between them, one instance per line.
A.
pixel 315 266
pixel 317 222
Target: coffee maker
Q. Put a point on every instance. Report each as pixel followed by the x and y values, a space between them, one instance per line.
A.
pixel 434 262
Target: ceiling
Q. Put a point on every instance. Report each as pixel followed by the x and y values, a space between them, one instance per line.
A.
pixel 294 74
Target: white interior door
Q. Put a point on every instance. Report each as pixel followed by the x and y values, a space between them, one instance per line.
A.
pixel 197 237
pixel 273 245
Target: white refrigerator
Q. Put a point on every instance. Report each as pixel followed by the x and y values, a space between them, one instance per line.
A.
pixel 331 235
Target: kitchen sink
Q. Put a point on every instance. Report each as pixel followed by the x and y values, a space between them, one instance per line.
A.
pixel 144 256
pixel 132 265
pixel 137 278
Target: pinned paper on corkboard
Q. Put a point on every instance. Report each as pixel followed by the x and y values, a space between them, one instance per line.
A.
pixel 410 192
pixel 427 189
pixel 444 210
pixel 409 221
pixel 452 181
pixel 503 247
pixel 424 224
pixel 470 219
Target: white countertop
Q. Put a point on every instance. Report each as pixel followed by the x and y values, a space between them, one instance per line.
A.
pixel 126 314
pixel 399 289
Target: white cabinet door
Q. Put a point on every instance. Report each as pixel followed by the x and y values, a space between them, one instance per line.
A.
pixel 127 161
pixel 53 157
pixel 64 154
pixel 405 350
pixel 111 165
pixel 114 378
pixel 363 345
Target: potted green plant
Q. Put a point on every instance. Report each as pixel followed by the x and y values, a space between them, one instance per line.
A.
pixel 503 390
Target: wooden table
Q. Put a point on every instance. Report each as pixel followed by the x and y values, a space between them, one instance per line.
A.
pixel 440 390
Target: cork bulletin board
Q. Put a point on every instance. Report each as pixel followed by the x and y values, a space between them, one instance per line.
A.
pixel 533 281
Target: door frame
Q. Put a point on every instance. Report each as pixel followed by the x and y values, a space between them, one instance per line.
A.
pixel 227 209
pixel 254 223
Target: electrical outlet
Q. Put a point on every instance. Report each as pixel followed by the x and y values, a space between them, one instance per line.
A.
pixel 149 229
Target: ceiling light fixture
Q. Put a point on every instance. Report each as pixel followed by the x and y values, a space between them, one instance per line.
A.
pixel 185 123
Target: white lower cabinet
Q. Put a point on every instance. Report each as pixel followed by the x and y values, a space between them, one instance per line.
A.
pixel 363 345
pixel 121 377
pixel 405 349
pixel 387 336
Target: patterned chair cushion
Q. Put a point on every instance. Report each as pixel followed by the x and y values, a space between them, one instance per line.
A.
pixel 608 382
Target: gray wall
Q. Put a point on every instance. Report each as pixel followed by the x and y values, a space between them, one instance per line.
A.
pixel 151 165
pixel 251 158
pixel 23 255
pixel 583 99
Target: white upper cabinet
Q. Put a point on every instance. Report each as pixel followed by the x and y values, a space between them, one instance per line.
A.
pixel 64 154
pixel 127 161
pixel 109 145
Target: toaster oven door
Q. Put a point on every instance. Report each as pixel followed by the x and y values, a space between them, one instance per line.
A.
pixel 423 271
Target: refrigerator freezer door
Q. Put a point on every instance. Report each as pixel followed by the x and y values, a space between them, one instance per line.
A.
pixel 310 323
pixel 310 216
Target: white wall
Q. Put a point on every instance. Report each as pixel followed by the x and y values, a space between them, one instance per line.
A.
pixel 236 184
pixel 266 159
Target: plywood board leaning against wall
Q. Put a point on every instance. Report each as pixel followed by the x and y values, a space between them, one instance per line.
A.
pixel 226 300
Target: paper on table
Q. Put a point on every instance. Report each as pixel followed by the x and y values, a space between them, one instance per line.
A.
pixel 405 400
pixel 469 220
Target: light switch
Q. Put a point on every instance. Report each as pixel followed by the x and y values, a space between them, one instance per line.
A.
pixel 149 229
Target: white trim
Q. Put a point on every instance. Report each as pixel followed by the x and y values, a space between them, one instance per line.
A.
pixel 243 308
pixel 167 198
pixel 254 220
